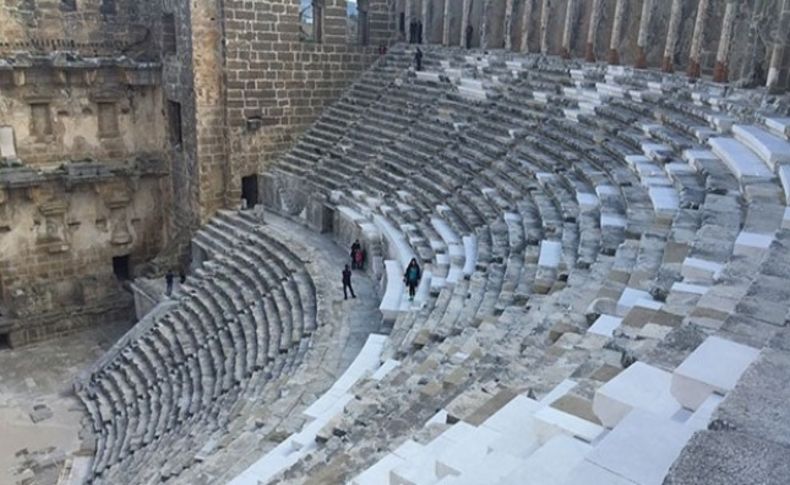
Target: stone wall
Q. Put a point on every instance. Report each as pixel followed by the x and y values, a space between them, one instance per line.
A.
pixel 90 28
pixel 83 111
pixel 59 233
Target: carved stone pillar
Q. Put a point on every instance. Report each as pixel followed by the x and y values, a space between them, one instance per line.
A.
pixel 446 23
pixel 567 33
pixel 544 27
pixel 721 70
pixel 644 34
pixel 526 17
pixel 508 25
pixel 595 22
pixel 407 19
pixel 426 23
pixel 696 38
pixel 673 31
pixel 465 21
pixel 484 24
pixel 614 41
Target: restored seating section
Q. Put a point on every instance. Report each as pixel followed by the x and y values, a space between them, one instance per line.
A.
pixel 162 395
pixel 594 240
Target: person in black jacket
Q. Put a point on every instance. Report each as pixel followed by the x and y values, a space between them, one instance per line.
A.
pixel 412 277
pixel 418 59
pixel 347 284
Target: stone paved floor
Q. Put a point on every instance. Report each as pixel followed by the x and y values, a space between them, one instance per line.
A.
pixel 362 314
pixel 42 374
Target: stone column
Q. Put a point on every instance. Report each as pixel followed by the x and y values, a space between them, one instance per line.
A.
pixel 696 38
pixel 484 24
pixel 721 71
pixel 426 23
pixel 567 33
pixel 595 21
pixel 508 27
pixel 614 41
pixel 526 17
pixel 780 50
pixel 544 27
pixel 407 19
pixel 446 23
pixel 465 21
pixel 673 32
pixel 644 32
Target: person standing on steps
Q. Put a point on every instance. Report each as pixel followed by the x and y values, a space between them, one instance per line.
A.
pixel 412 277
pixel 169 282
pixel 356 247
pixel 418 59
pixel 347 284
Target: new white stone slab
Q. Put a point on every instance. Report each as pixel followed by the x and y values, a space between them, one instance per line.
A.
pixel 605 325
pixel 513 415
pixel 640 386
pixel 770 148
pixel 559 390
pixel 680 287
pixel 742 162
pixel 431 76
pixel 445 231
pixel 603 191
pixel 656 151
pixel 664 199
pixel 465 454
pixel 494 466
pixel 550 464
pixel 550 421
pixel 470 254
pixel 397 245
pixel 586 201
pixel 642 447
pixel 784 178
pixel 385 369
pixel 696 269
pixel 752 244
pixel 393 291
pixel 379 473
pixel 715 366
pixel 7 146
pixel 550 254
pixel 634 160
pixel 421 467
pixel 786 219
pixel 779 126
pixel 611 219
pixel 630 297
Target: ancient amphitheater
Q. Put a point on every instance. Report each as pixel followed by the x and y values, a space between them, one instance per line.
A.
pixel 604 242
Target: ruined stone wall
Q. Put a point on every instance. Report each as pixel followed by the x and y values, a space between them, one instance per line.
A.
pixel 90 28
pixel 81 113
pixel 59 233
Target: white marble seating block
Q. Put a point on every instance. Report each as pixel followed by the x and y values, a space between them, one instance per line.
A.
pixel 752 244
pixel 770 148
pixel 779 126
pixel 605 325
pixel 394 290
pixel 550 464
pixel 742 162
pixel 696 269
pixel 715 366
pixel 641 448
pixel 784 178
pixel 550 254
pixel 640 386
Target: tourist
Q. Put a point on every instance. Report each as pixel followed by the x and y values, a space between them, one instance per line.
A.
pixel 356 247
pixel 169 282
pixel 412 277
pixel 182 277
pixel 418 59
pixel 359 259
pixel 347 284
pixel 469 32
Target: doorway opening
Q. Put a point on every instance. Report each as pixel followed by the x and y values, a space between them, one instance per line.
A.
pixel 249 190
pixel 121 268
